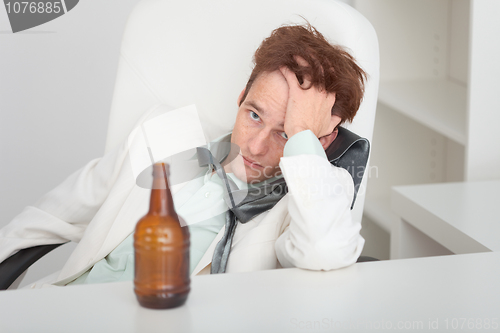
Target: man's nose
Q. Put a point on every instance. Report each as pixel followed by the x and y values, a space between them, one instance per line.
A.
pixel 259 143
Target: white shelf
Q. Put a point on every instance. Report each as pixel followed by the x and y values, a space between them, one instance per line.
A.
pixel 378 209
pixel 463 216
pixel 438 104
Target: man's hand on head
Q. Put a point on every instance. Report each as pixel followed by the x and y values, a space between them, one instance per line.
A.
pixel 308 109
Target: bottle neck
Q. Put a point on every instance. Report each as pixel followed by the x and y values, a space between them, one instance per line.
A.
pixel 161 202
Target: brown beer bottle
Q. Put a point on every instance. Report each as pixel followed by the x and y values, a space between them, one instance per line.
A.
pixel 161 249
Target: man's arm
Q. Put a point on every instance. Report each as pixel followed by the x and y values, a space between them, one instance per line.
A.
pixel 321 234
pixel 62 214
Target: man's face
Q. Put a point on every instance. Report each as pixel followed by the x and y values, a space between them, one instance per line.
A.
pixel 259 129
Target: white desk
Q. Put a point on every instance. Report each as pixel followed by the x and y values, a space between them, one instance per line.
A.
pixel 412 294
pixel 458 217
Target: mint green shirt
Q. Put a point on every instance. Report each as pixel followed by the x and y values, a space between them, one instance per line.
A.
pixel 201 205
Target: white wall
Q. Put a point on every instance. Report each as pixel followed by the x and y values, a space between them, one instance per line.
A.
pixel 56 85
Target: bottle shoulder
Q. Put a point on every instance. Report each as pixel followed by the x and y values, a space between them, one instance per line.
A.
pixel 160 226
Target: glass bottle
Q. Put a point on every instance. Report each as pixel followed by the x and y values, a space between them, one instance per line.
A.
pixel 161 248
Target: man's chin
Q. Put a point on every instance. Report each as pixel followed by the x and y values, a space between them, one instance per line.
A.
pixel 250 177
pixel 244 177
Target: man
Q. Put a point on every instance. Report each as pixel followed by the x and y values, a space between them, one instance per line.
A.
pixel 300 90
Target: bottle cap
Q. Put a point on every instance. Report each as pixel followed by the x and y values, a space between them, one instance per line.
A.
pixel 160 170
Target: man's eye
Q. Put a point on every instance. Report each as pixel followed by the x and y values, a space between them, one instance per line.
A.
pixel 283 134
pixel 254 115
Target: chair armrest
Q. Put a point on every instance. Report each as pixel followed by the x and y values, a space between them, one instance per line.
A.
pixel 12 267
pixel 350 151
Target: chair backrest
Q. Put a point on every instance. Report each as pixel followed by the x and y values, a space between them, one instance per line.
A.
pixel 200 52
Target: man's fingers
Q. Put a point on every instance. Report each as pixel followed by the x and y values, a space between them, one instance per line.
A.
pixel 301 61
pixel 287 73
pixel 306 80
pixel 290 77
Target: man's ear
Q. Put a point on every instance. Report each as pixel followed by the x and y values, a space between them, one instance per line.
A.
pixel 241 96
pixel 327 140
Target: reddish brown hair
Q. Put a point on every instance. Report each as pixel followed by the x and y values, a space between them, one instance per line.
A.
pixel 331 67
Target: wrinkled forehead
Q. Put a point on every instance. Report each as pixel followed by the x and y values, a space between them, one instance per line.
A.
pixel 270 82
pixel 274 75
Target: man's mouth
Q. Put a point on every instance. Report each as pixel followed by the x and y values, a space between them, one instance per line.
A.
pixel 251 163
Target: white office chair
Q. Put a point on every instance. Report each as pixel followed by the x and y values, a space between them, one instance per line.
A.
pixel 199 52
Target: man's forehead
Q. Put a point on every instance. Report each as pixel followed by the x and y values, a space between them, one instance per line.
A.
pixel 267 76
pixel 270 83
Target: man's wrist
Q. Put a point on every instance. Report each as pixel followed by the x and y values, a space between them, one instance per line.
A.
pixel 304 142
pixel 293 131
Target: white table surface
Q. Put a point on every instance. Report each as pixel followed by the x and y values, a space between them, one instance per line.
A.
pixel 412 294
pixel 464 217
